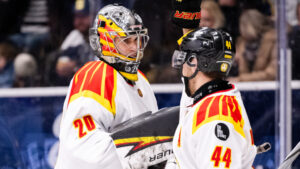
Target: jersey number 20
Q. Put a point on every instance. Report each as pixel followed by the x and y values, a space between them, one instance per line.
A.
pixel 86 121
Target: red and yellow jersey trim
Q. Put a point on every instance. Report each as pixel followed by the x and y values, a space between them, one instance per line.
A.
pixel 179 138
pixel 222 107
pixel 98 81
pixel 143 75
pixel 251 135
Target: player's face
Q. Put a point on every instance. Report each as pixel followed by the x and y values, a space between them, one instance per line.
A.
pixel 128 46
pixel 82 23
pixel 187 69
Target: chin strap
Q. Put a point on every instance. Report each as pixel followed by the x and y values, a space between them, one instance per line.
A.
pixel 186 79
pixel 186 82
pixel 186 85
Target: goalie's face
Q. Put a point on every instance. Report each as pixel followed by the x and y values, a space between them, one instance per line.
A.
pixel 131 46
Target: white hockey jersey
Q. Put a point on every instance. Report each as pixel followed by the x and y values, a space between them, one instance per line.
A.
pixel 215 133
pixel 99 98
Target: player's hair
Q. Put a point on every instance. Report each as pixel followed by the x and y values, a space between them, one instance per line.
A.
pixel 215 11
pixel 255 23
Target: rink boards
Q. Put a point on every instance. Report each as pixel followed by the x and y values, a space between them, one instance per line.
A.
pixel 29 121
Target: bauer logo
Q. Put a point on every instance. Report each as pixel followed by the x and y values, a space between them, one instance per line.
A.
pixel 187 15
pixel 222 131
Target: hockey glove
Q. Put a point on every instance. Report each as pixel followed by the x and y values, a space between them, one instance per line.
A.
pixel 186 13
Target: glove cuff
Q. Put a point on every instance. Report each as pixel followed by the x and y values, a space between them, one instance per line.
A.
pixel 186 19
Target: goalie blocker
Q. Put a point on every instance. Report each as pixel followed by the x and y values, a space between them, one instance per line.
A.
pixel 146 140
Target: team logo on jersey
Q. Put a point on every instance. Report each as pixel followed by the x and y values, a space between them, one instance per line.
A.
pixel 222 131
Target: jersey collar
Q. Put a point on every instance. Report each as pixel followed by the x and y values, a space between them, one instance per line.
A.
pixel 211 87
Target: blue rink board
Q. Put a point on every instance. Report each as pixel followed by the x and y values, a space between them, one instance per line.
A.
pixel 27 140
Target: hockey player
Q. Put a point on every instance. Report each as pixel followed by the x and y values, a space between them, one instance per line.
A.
pixel 104 93
pixel 214 130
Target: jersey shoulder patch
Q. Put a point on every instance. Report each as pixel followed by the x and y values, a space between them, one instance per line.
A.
pixel 222 108
pixel 96 80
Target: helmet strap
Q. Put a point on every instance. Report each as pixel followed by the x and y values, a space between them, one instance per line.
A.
pixel 191 65
pixel 186 85
pixel 186 79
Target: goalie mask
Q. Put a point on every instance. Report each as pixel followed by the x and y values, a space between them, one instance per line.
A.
pixel 119 38
pixel 212 48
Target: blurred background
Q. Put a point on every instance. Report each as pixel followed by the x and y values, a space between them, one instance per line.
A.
pixel 44 42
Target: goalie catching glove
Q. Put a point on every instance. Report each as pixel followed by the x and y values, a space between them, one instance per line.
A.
pixel 186 13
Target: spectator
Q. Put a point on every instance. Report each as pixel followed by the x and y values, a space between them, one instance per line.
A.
pixel 7 55
pixel 36 26
pixel 75 50
pixel 25 68
pixel 294 45
pixel 232 10
pixel 78 37
pixel 67 63
pixel 211 15
pixel 256 48
pixel 82 22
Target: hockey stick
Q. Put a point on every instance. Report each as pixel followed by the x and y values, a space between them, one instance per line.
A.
pixel 290 158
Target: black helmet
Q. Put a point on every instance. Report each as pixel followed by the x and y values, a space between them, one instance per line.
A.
pixel 213 49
